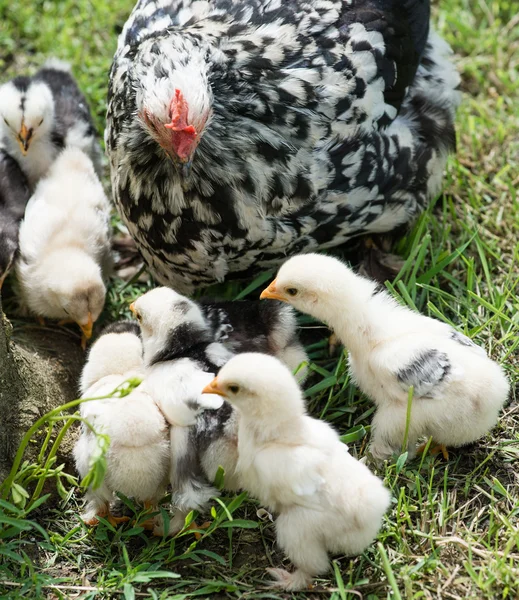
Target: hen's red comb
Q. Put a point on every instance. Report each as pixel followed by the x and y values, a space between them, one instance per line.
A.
pixel 178 111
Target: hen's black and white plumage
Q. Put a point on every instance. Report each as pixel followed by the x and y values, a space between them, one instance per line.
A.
pixel 14 195
pixel 242 132
pixel 41 115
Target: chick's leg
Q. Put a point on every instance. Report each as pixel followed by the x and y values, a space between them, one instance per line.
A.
pixel 95 507
pixel 299 537
pixel 149 524
pixel 387 434
pixel 434 449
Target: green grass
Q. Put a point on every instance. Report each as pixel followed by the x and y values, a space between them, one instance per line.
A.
pixel 452 531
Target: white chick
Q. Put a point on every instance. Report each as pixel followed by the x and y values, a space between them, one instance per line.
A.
pixel 458 389
pixel 65 244
pixel 326 500
pixel 178 354
pixel 137 461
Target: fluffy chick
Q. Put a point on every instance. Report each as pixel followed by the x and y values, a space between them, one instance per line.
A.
pixel 14 194
pixel 181 357
pixel 458 389
pixel 42 114
pixel 65 243
pixel 326 500
pixel 137 461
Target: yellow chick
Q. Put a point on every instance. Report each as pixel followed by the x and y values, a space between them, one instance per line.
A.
pixel 65 244
pixel 137 461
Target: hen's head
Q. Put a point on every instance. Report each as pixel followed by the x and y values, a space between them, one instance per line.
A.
pixel 174 103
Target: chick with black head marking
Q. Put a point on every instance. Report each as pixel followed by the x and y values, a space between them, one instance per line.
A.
pixel 14 195
pixel 184 345
pixel 180 358
pixel 137 460
pixel 255 326
pixel 41 115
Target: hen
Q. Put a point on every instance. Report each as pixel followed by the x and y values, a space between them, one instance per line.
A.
pixel 242 132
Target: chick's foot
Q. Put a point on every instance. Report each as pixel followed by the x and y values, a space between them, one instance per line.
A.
pixel 436 449
pixel 114 521
pixel 290 582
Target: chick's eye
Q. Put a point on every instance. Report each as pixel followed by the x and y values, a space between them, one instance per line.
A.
pixel 138 316
pixel 292 292
pixel 40 122
pixel 234 389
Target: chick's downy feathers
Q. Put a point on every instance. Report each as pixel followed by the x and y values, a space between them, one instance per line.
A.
pixel 137 460
pixel 458 390
pixel 65 243
pixel 326 501
pixel 14 195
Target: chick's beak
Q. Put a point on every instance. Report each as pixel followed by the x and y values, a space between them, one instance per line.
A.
pixel 214 388
pixel 24 137
pixel 87 329
pixel 132 308
pixel 272 294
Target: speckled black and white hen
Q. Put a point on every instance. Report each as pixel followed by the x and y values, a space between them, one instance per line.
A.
pixel 240 132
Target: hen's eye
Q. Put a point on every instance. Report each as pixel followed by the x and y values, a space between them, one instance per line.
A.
pixel 291 292
pixel 234 389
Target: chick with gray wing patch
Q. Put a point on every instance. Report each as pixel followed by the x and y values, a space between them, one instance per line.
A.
pixel 14 195
pixel 325 500
pixel 137 460
pixel 458 391
pixel 41 115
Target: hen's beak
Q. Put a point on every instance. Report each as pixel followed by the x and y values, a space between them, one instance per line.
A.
pixel 87 329
pixel 272 294
pixel 132 308
pixel 2 279
pixel 214 388
pixel 24 139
